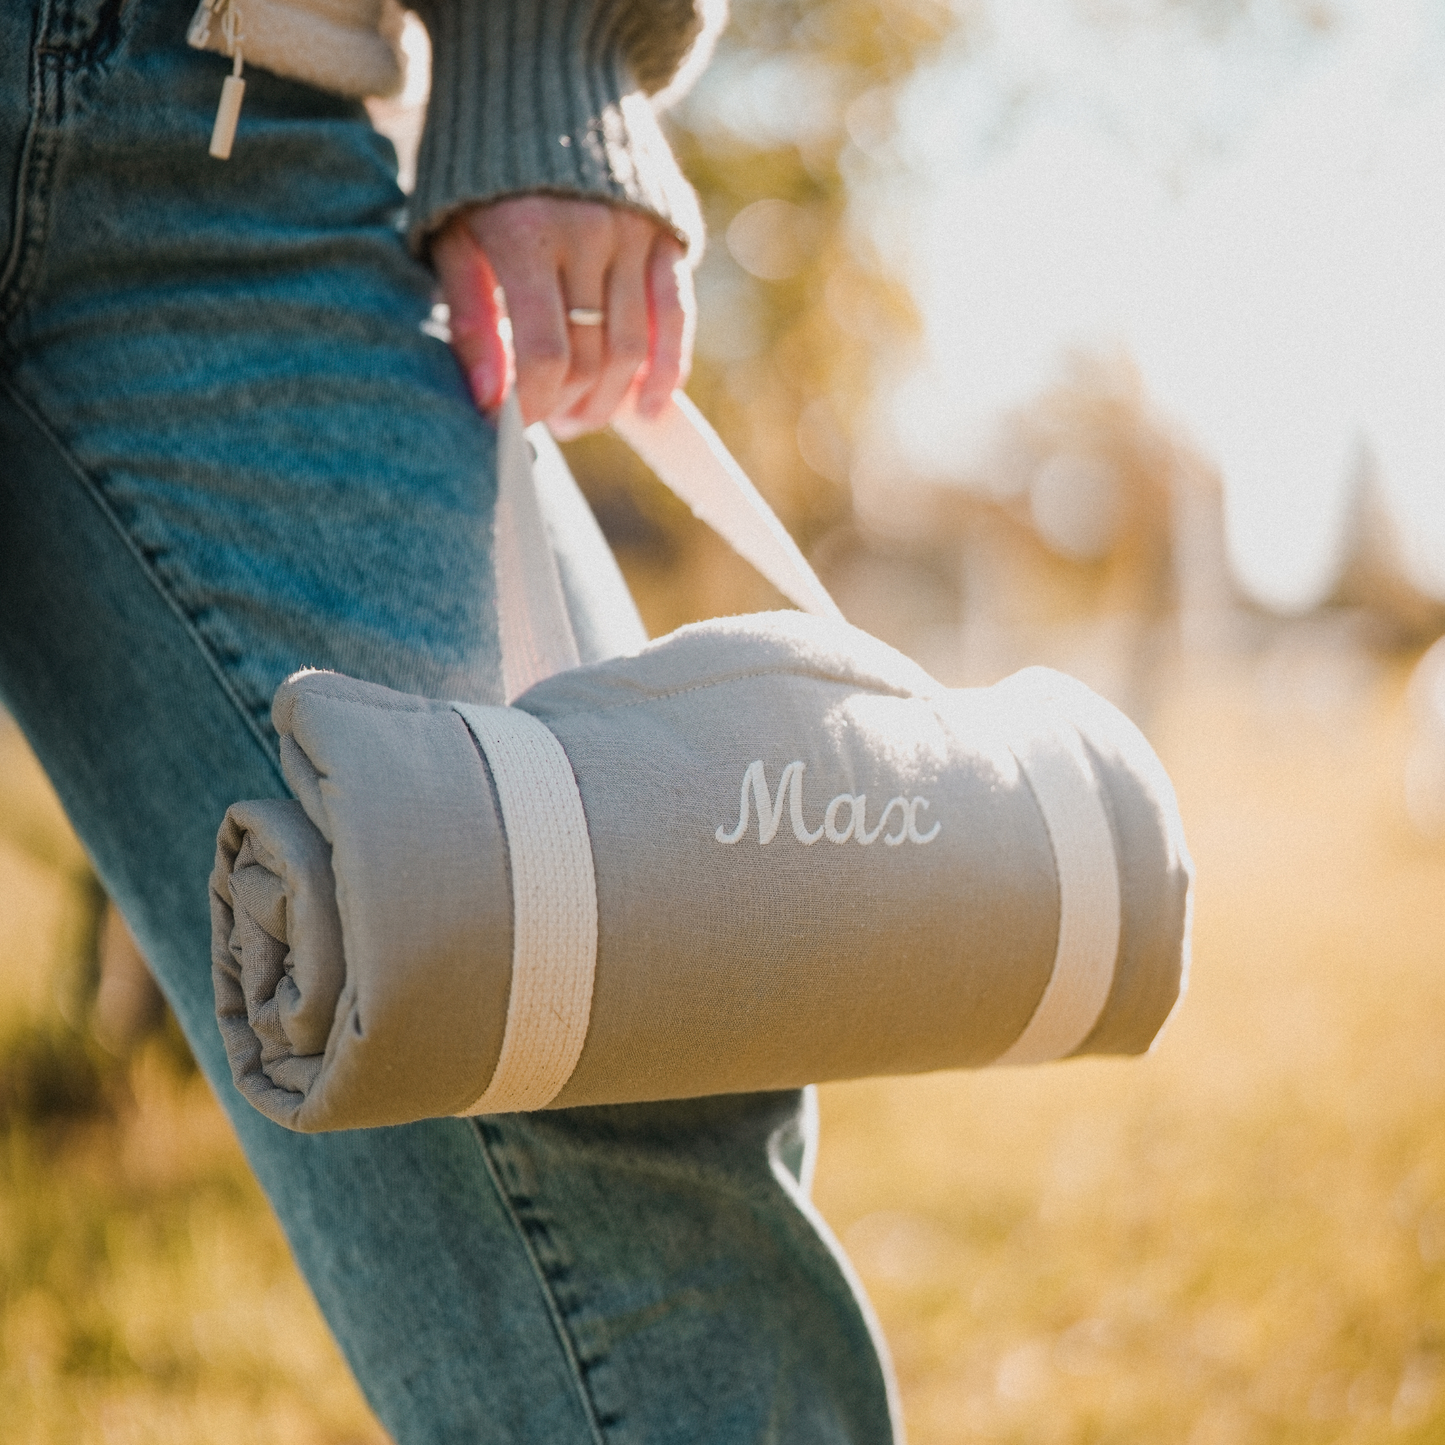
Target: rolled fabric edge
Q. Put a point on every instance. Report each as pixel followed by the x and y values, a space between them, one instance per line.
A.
pixel 285 842
pixel 396 811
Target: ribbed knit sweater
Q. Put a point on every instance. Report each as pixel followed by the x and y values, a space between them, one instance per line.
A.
pixel 527 96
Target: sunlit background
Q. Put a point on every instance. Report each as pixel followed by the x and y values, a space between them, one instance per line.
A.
pixel 1108 334
pixel 1246 201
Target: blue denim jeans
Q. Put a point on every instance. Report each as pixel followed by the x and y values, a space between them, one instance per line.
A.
pixel 227 450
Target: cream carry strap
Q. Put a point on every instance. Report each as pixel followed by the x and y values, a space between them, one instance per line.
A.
pixel 691 460
pixel 535 633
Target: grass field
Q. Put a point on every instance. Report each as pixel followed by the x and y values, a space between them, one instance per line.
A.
pixel 1240 1238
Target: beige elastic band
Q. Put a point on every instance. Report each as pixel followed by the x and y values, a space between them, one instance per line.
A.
pixel 554 909
pixel 1062 779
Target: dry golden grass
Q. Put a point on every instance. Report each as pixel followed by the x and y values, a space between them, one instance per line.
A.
pixel 148 1294
pixel 1241 1238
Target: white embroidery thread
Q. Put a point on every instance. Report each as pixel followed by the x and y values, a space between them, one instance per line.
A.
pixel 914 836
pixel 790 787
pixel 892 840
pixel 769 816
pixel 795 809
pixel 831 830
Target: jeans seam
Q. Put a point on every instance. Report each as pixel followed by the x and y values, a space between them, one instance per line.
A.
pixel 554 1305
pixel 98 46
pixel 51 70
pixel 37 161
pixel 92 488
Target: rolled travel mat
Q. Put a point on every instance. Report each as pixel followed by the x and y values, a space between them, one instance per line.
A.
pixel 762 852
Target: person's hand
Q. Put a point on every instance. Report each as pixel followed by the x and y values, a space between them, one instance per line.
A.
pixel 549 255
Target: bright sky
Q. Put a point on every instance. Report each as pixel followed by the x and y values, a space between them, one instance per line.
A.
pixel 1257 215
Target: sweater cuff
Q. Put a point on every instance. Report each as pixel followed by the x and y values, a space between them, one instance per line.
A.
pixel 537 96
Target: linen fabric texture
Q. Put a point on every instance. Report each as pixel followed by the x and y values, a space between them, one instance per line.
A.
pixel 363 941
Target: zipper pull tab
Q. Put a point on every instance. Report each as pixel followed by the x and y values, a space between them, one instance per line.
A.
pixel 223 133
pixel 233 91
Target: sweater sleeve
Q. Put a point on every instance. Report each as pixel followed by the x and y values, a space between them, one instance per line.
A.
pixel 553 97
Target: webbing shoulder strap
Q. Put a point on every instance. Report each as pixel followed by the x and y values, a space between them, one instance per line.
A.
pixel 532 623
pixel 690 459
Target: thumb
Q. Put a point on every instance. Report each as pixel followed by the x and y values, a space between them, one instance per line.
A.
pixel 469 287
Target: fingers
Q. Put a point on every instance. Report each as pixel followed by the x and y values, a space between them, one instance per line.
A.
pixel 538 245
pixel 540 338
pixel 550 254
pixel 469 288
pixel 607 358
pixel 672 309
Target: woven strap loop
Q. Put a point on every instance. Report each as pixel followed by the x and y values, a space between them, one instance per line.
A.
pixel 554 909
pixel 1062 780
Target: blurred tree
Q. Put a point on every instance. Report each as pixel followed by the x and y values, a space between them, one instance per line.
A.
pixel 63 1047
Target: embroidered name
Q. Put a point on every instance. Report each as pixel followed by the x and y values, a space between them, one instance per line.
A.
pixel 790 792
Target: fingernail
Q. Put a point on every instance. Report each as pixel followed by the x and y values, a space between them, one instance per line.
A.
pixel 486 385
